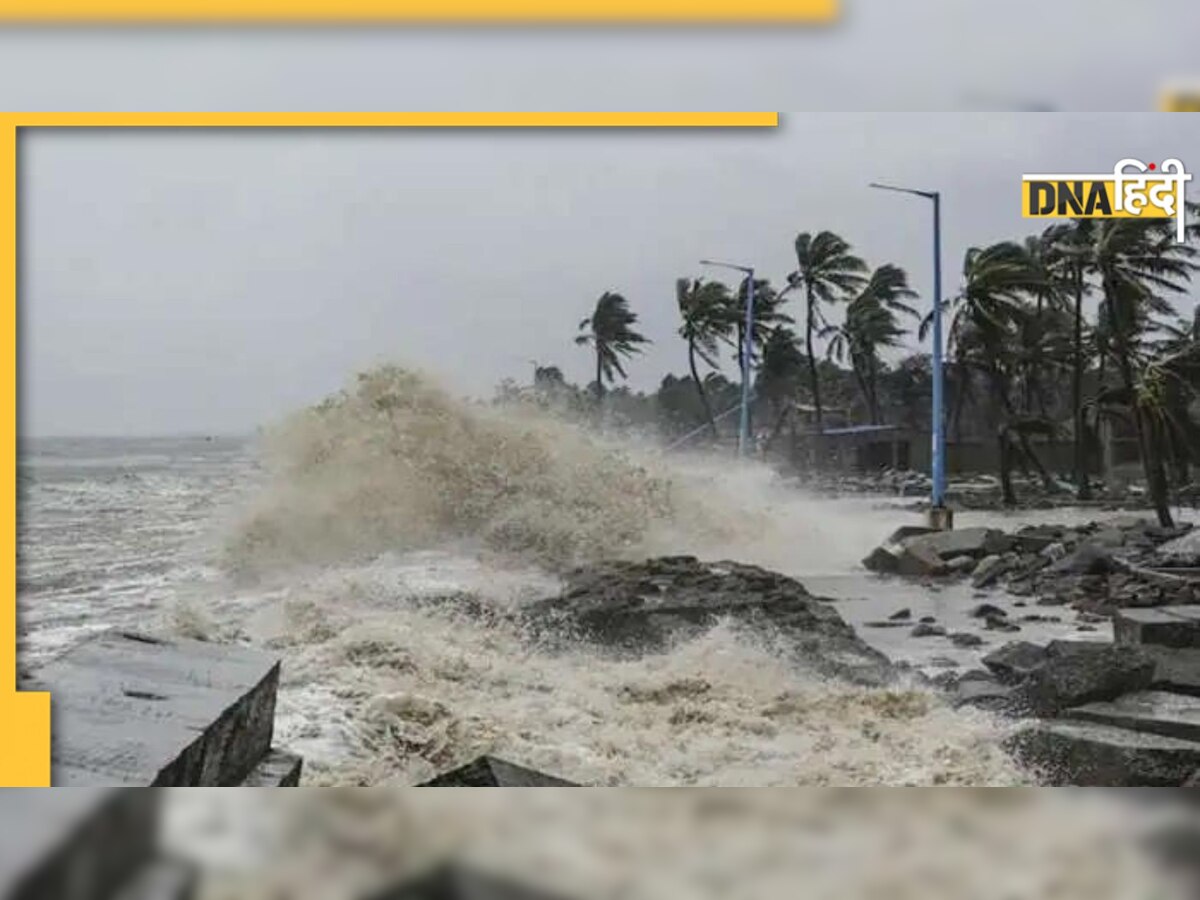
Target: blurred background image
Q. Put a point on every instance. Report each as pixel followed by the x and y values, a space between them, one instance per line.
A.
pixel 881 55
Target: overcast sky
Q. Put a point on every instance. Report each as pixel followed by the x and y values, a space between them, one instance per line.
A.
pixel 183 281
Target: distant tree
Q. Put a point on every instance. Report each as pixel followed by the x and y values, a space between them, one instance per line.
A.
pixel 780 375
pixel 707 313
pixel 827 272
pixel 609 332
pixel 871 324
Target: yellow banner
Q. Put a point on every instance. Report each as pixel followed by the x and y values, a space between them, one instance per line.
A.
pixel 75 11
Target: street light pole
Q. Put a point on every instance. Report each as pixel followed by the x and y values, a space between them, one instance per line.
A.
pixel 747 350
pixel 939 515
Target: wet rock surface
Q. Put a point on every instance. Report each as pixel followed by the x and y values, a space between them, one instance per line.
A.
pixel 1094 755
pixel 646 606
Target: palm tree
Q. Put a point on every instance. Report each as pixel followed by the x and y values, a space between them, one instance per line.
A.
pixel 988 316
pixel 871 324
pixel 827 272
pixel 706 310
pixel 767 315
pixel 1070 260
pixel 609 331
pixel 1139 264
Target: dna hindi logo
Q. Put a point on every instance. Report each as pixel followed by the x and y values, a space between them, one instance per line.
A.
pixel 1133 189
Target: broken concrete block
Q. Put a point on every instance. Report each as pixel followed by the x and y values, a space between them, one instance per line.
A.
pixel 137 711
pixel 1079 672
pixel 1165 626
pixel 1176 669
pixel 1084 753
pixel 1155 712
pixel 488 771
pixel 886 557
pixel 973 542
pixel 278 768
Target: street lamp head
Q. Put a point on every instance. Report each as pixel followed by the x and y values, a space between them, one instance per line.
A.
pixel 727 265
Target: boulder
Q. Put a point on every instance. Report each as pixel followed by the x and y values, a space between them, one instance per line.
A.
pixel 965 639
pixel 1078 672
pixel 1064 752
pixel 644 607
pixel 924 629
pixel 1088 559
pixel 986 611
pixel 961 564
pixel 1015 660
pixel 990 569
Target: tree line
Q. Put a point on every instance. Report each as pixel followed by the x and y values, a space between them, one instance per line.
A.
pixel 1028 353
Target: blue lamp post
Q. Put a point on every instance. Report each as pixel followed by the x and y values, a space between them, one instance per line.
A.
pixel 747 349
pixel 938 514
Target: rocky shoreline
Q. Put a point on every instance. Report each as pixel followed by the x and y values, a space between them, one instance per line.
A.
pixel 1119 713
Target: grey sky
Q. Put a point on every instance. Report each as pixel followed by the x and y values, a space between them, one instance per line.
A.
pixel 884 54
pixel 209 281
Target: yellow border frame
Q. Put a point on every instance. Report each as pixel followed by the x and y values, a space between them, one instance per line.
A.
pixel 429 11
pixel 25 717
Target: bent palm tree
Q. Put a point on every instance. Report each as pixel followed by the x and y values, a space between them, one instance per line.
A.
pixel 827 272
pixel 870 325
pixel 609 331
pixel 705 309
pixel 1140 262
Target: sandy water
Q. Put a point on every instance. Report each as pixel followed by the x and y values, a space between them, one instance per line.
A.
pixel 342 543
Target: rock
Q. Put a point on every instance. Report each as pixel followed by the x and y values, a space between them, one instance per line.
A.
pixel 1155 712
pixel 965 639
pixel 488 771
pixel 1000 623
pixel 982 694
pixel 919 559
pixel 1175 669
pixel 1078 672
pixel 961 565
pixel 1014 661
pixel 1182 552
pixel 1036 538
pixel 1054 552
pixel 1089 559
pixel 1091 755
pixel 974 542
pixel 1109 538
pixel 646 607
pixel 988 571
pixel 886 557
pixel 928 620
pixel 1168 626
pixel 924 629
pixel 986 611
pixel 901 615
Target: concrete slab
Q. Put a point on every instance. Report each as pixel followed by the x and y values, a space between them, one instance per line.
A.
pixel 1163 626
pixel 488 771
pixel 132 710
pixel 278 768
pixel 74 845
pixel 1176 669
pixel 1064 752
pixel 1156 712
